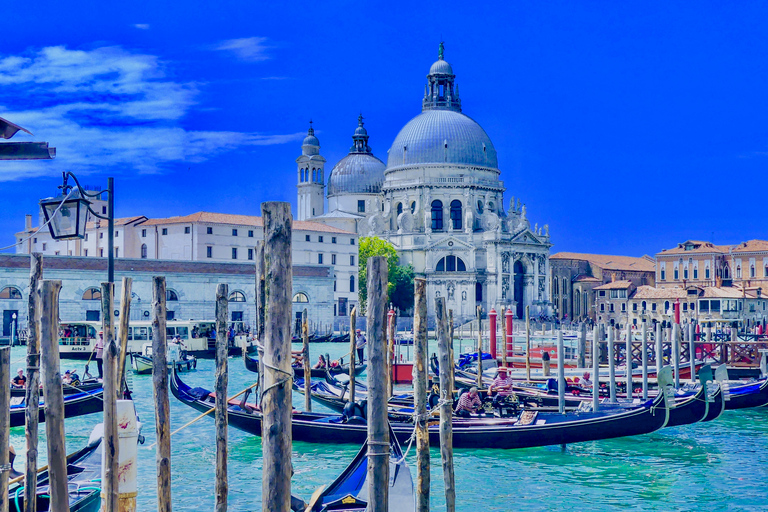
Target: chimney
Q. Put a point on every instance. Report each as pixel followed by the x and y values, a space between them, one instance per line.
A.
pixel 28 222
pixel 613 277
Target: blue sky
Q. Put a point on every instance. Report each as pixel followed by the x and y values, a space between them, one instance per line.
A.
pixel 626 126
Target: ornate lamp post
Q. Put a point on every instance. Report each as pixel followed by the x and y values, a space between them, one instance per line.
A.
pixel 67 215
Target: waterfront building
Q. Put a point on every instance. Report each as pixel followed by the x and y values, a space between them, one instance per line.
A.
pixel 440 201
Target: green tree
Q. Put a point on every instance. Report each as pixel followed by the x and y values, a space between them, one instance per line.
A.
pixel 400 277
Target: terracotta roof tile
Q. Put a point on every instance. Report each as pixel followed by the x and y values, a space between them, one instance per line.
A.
pixel 615 285
pixel 650 292
pixel 242 220
pixel 752 246
pixel 700 247
pixel 725 292
pixel 608 262
pixel 583 278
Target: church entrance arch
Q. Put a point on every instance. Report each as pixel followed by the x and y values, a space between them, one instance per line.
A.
pixel 519 270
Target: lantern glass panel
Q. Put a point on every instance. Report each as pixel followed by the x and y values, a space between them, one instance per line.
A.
pixel 70 220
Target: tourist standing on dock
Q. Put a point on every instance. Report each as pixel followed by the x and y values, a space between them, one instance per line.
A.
pixel 99 349
pixel 360 343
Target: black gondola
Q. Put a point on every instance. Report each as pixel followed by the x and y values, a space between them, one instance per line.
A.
pixel 716 403
pixel 85 386
pixel 349 492
pixel 83 479
pixel 74 405
pixel 748 394
pixel 531 428
pixel 252 364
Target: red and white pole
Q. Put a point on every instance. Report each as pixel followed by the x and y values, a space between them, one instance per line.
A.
pixel 492 319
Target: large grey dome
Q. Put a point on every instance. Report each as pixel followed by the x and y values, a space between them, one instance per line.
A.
pixel 442 137
pixel 357 173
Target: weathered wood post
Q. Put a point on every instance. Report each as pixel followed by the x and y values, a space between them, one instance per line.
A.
pixel 5 422
pixel 307 362
pixel 645 359
pixel 160 388
pixel 504 348
pixel 222 379
pixel 560 372
pixel 33 376
pixel 480 347
pixel 109 479
pixel 378 425
pixel 261 304
pixel 54 395
pixel 420 356
pixel 611 365
pixel 582 362
pixel 122 344
pixel 628 359
pixel 596 367
pixel 390 350
pixel 278 374
pixel 446 405
pixel 676 352
pixel 451 355
pixel 692 351
pixel 659 339
pixel 528 342
pixel 352 353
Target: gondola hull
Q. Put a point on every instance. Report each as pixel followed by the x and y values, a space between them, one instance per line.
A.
pixel 89 385
pixel 142 365
pixel 689 409
pixel 252 364
pixel 547 429
pixel 716 403
pixel 742 396
pixel 74 405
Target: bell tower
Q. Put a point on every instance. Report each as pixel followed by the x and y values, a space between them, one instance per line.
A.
pixel 311 175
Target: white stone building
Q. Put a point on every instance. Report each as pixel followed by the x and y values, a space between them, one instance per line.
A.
pixel 440 201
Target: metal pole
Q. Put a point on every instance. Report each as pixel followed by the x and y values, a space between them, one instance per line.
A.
pixel 560 372
pixel 611 365
pixel 111 226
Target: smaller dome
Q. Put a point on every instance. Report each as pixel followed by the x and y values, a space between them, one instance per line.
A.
pixel 357 173
pixel 441 67
pixel 310 139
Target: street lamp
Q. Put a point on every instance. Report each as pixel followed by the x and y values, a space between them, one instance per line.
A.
pixel 67 215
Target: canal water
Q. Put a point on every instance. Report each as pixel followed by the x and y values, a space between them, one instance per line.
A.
pixel 721 465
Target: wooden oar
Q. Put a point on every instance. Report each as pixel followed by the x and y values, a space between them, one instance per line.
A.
pixel 206 413
pixel 313 500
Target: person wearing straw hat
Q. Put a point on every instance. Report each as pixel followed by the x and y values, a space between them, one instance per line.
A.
pixel 502 384
pixel 99 349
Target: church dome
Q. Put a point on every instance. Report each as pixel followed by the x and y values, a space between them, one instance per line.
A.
pixel 310 140
pixel 442 137
pixel 359 172
pixel 441 67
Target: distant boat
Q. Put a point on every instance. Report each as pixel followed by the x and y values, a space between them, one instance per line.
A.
pixel 177 359
pixel 77 404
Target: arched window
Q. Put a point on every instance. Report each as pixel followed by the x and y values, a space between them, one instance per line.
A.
pixel 171 296
pixel 738 271
pixel 437 215
pixel 413 207
pixel 143 251
pixel 726 272
pixel 666 305
pixel 238 296
pixel 645 305
pixel 351 283
pixel 92 294
pixel 300 297
pixel 450 264
pixel 456 214
pixel 479 206
pixel 399 208
pixel 11 293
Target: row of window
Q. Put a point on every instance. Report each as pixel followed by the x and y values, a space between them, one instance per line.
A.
pixel 321 239
pixel 726 273
pixel 437 214
pixel 317 175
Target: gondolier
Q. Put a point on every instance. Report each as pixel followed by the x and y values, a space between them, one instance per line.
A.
pixel 360 343
pixel 99 349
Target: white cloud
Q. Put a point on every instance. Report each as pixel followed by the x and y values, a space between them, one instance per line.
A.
pixel 251 49
pixel 141 26
pixel 108 108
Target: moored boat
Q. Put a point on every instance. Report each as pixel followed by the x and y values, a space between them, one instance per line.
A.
pixel 77 404
pixel 252 364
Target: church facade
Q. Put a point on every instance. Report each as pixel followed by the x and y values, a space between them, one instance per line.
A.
pixel 440 201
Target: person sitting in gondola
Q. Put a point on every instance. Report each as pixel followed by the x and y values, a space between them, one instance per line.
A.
pixel 585 382
pixel 67 377
pixel 502 384
pixel 19 381
pixel 320 364
pixel 298 357
pixel 469 403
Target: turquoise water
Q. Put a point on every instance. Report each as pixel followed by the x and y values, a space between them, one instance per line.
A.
pixel 721 465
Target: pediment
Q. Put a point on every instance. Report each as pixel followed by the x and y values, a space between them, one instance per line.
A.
pixel 526 236
pixel 449 243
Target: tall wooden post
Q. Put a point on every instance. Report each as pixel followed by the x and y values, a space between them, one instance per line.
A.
pixel 160 388
pixel 676 352
pixel 480 347
pixel 505 348
pixel 352 353
pixel 261 304
pixel 451 355
pixel 307 362
pixel 222 380
pixel 33 376
pixel 692 351
pixel 109 480
pixel 390 350
pixel 611 364
pixel 659 338
pixel 125 316
pixel 378 425
pixel 5 422
pixel 628 359
pixel 54 395
pixel 446 405
pixel 560 372
pixel 582 362
pixel 596 367
pixel 528 342
pixel 278 374
pixel 420 356
pixel 645 359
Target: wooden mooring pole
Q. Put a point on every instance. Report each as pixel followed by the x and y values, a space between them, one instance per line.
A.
pixel 692 351
pixel 5 424
pixel 560 372
pixel 378 425
pixel 33 376
pixel 628 359
pixel 582 362
pixel 352 353
pixel 528 342
pixel 611 364
pixel 261 304
pixel 676 352
pixel 659 339
pixel 390 350
pixel 278 374
pixel 54 396
pixel 420 356
pixel 125 315
pixel 479 379
pixel 109 478
pixel 596 367
pixel 645 359
pixel 307 362
pixel 446 404
pixel 451 358
pixel 160 389
pixel 221 490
